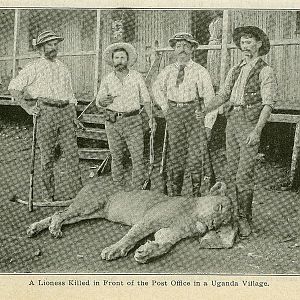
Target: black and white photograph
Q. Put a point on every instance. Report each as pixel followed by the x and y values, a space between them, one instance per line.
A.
pixel 149 140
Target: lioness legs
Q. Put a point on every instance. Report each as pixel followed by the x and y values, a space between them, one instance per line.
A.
pixel 123 246
pixel 165 238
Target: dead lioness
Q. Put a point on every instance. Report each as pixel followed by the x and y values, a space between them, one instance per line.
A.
pixel 170 218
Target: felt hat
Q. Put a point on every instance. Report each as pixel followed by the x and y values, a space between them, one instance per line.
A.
pixel 258 33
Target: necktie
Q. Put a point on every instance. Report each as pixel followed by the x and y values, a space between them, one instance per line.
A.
pixel 180 75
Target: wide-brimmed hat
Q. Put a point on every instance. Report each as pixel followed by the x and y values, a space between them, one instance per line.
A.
pixel 183 36
pixel 258 33
pixel 108 52
pixel 47 36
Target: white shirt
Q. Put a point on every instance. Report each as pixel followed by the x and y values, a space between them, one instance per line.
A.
pixel 196 79
pixel 46 79
pixel 268 84
pixel 129 94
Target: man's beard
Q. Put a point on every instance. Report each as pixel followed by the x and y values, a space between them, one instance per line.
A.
pixel 51 54
pixel 120 67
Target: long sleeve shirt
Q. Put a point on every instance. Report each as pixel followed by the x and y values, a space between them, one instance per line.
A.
pixel 196 82
pixel 268 85
pixel 46 79
pixel 128 94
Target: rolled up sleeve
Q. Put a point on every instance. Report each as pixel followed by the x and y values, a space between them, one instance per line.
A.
pixel 143 90
pixel 103 91
pixel 23 80
pixel 269 86
pixel 208 94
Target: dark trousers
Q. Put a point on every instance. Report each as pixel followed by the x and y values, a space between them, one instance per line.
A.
pixel 187 145
pixel 127 132
pixel 56 126
pixel 241 159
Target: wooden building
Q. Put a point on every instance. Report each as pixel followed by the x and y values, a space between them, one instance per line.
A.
pixel 88 32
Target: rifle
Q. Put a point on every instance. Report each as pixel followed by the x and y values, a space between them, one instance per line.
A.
pixel 163 164
pixel 207 167
pixel 147 183
pixel 33 151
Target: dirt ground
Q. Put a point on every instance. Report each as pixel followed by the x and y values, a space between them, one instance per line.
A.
pixel 272 249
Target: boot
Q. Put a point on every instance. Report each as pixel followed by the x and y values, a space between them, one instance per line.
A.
pixel 196 184
pixel 176 184
pixel 244 213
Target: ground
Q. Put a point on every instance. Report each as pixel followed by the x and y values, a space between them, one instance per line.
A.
pixel 272 249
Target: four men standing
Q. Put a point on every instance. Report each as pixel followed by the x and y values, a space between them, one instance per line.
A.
pixel 184 92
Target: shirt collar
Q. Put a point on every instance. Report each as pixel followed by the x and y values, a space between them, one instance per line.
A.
pixel 251 63
pixel 129 73
pixel 188 64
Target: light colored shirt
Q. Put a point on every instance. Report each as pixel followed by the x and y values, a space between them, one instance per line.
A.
pixel 196 80
pixel 46 79
pixel 129 93
pixel 268 84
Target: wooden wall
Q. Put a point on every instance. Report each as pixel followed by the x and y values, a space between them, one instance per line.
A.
pixel 153 27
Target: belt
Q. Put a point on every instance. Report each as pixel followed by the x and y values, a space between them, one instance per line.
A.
pixel 125 114
pixel 242 106
pixel 58 104
pixel 180 104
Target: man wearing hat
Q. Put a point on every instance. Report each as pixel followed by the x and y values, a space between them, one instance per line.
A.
pixel 121 93
pixel 249 94
pixel 180 89
pixel 48 82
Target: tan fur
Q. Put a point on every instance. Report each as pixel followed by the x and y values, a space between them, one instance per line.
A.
pixel 169 218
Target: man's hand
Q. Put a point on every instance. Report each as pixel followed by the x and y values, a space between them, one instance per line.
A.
pixel 78 124
pixel 208 133
pixel 34 111
pixel 105 101
pixel 253 138
pixel 199 114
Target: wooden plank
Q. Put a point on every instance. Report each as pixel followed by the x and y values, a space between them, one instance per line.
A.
pixel 90 153
pixel 93 118
pixel 16 33
pixel 224 50
pixel 296 150
pixel 97 57
pixel 283 42
pixel 284 118
pixel 92 133
pixel 8 102
pixel 36 55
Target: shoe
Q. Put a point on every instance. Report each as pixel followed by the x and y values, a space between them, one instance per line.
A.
pixel 244 228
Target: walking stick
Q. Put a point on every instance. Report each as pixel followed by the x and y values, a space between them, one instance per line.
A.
pixel 162 170
pixel 33 148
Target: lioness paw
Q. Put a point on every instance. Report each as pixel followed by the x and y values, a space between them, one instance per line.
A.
pixel 55 231
pixel 113 252
pixel 32 230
